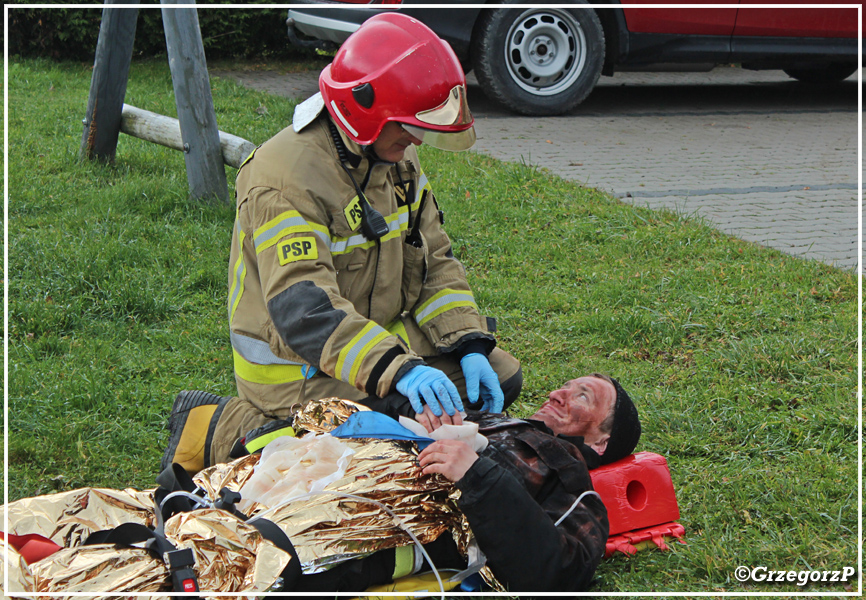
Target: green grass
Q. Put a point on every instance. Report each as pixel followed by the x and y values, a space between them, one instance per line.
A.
pixel 742 359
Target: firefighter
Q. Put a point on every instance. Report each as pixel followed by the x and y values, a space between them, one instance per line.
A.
pixel 342 280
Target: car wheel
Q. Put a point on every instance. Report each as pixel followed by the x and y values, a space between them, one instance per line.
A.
pixel 538 61
pixel 825 74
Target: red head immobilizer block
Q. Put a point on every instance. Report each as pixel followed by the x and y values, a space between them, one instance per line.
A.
pixel 32 547
pixel 637 492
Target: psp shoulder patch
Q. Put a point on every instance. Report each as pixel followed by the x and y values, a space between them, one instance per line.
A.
pixel 299 248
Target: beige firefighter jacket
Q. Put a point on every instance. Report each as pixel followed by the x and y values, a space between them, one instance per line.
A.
pixel 306 287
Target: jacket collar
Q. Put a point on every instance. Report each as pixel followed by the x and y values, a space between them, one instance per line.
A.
pixel 492 422
pixel 308 111
pixel 313 108
pixel 589 455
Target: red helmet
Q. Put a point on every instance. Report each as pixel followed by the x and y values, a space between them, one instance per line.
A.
pixel 394 68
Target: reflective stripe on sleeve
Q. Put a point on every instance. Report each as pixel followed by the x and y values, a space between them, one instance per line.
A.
pixel 256 363
pixel 442 302
pixel 257 351
pixel 322 232
pixel 274 230
pixel 239 270
pixel 352 355
pixel 399 329
pixel 265 374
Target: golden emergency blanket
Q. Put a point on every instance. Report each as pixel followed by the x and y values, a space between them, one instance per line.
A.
pixel 324 415
pixel 381 495
pixel 68 518
pixel 230 556
pixel 100 568
pixel 347 519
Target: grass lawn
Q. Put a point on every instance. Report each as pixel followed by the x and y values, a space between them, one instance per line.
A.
pixel 742 360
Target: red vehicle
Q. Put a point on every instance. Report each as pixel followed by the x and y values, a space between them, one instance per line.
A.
pixel 546 60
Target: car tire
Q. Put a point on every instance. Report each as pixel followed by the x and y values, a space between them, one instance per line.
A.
pixel 538 61
pixel 831 73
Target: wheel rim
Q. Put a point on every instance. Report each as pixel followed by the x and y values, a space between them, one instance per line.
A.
pixel 545 51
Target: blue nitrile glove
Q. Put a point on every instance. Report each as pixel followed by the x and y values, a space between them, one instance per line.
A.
pixel 433 386
pixel 479 374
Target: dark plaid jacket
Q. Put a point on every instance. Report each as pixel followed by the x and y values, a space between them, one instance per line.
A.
pixel 524 481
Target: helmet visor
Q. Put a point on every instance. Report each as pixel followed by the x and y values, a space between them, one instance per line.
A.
pixel 454 141
pixel 454 112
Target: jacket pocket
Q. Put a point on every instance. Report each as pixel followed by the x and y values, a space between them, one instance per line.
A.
pixel 414 271
pixel 352 272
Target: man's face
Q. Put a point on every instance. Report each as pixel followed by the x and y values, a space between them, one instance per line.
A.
pixel 392 142
pixel 578 408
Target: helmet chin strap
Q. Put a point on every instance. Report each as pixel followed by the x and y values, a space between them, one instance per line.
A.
pixel 369 151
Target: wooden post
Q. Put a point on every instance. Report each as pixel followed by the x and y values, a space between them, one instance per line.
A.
pixel 205 172
pixel 108 82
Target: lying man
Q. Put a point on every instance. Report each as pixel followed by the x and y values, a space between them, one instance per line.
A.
pixel 524 495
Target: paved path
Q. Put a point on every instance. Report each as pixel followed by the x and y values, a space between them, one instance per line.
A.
pixel 756 154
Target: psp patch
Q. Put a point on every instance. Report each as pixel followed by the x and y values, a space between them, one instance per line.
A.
pixel 299 248
pixel 354 213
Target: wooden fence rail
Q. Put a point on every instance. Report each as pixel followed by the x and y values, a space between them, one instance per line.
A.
pixel 165 131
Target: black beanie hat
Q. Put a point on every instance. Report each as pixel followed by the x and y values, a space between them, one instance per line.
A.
pixel 625 432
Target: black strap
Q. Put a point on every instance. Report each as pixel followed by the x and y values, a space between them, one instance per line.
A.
pixel 172 479
pixel 180 562
pixel 129 534
pixel 177 479
pixel 414 236
pixel 272 532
